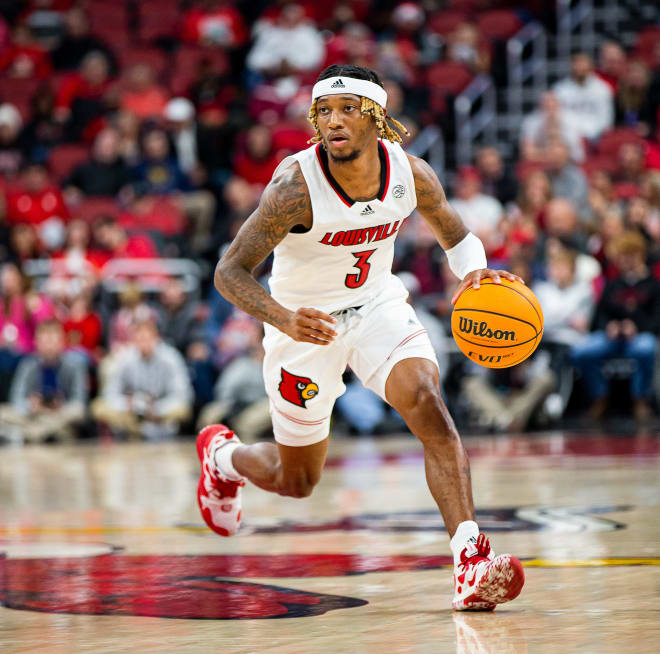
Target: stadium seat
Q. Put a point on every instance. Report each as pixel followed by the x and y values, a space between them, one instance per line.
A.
pixel 611 141
pixel 18 92
pixel 90 209
pixel 646 41
pixel 152 56
pixel 448 77
pixel 594 163
pixel 64 158
pixel 158 19
pixel 444 22
pixel 158 213
pixel 498 24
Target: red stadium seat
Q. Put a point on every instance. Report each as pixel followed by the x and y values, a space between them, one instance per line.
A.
pixel 444 22
pixel 90 209
pixel 606 162
pixel 152 56
pixel 18 92
pixel 188 58
pixel 647 39
pixel 611 141
pixel 64 158
pixel 160 213
pixel 448 77
pixel 498 24
pixel 158 19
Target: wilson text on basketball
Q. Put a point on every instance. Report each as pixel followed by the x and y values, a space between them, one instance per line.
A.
pixel 469 326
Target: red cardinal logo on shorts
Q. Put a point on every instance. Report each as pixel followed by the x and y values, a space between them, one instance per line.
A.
pixel 296 389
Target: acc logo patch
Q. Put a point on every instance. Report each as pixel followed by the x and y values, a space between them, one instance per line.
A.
pixel 398 191
pixel 296 389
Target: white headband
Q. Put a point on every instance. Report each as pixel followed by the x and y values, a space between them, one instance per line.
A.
pixel 362 87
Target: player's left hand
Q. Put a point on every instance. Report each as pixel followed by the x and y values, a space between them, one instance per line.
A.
pixel 474 279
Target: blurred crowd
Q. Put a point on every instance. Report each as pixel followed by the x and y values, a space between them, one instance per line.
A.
pixel 137 134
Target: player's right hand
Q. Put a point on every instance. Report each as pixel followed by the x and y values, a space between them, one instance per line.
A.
pixel 310 326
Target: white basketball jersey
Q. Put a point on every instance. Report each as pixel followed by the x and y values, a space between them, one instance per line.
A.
pixel 345 259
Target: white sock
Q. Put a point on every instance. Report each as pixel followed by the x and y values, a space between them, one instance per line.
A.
pixel 223 462
pixel 465 531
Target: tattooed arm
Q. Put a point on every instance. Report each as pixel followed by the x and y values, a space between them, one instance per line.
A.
pixel 445 223
pixel 285 203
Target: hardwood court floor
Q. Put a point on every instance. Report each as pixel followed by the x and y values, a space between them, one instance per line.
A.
pixel 105 552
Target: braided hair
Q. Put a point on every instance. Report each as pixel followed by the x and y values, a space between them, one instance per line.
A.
pixel 367 106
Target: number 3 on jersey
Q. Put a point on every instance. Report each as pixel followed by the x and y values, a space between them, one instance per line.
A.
pixel 355 280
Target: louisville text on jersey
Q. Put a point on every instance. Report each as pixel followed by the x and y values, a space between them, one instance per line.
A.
pixel 360 236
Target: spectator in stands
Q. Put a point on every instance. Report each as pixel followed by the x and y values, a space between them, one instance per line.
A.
pixel 11 154
pixel 115 243
pixel 630 160
pixel 611 64
pixel 181 321
pixel 464 47
pixel 481 213
pixel 49 392
pixel 289 45
pixel 562 221
pixel 586 97
pixel 148 391
pixel 633 102
pixel 142 95
pixel 83 329
pixel 496 178
pixel 215 23
pixel 159 173
pixel 568 181
pixel 547 123
pixel 240 395
pixel 20 312
pixel 180 116
pixel 257 161
pixel 23 244
pixel 567 302
pixel 128 126
pixel 179 316
pixel 24 57
pixel 43 132
pixel 39 202
pixel 80 97
pixel 105 173
pixel 77 43
pixel 627 324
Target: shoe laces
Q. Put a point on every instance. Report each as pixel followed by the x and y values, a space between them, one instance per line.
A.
pixel 481 551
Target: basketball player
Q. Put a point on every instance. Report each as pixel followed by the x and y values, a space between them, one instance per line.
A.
pixel 331 214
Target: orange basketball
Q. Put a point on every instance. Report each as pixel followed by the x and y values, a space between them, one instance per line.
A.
pixel 497 325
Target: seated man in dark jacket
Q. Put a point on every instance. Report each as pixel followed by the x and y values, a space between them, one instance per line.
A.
pixel 627 323
pixel 49 391
pixel 105 173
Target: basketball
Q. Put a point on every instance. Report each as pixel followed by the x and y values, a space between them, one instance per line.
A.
pixel 497 325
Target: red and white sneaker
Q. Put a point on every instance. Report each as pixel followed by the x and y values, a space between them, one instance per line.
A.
pixel 219 498
pixel 483 580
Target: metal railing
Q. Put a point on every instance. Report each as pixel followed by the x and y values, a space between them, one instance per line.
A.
pixel 527 71
pixel 148 274
pixel 475 110
pixel 430 143
pixel 575 31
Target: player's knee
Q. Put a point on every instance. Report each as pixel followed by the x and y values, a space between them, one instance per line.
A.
pixel 426 400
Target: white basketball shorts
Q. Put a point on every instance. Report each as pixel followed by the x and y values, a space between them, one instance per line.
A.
pixel 303 380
